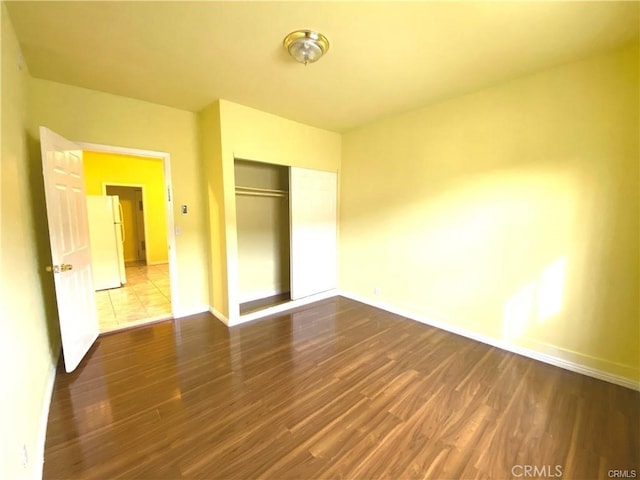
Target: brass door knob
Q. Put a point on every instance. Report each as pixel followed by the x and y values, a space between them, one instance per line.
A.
pixel 65 267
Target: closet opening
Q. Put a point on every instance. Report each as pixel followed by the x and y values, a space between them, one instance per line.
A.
pixel 262 216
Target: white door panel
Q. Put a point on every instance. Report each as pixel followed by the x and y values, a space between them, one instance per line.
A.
pixel 313 214
pixel 70 247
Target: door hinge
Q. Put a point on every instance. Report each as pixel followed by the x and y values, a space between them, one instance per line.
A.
pixel 168 195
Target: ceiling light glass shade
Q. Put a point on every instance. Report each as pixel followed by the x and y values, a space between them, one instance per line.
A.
pixel 306 46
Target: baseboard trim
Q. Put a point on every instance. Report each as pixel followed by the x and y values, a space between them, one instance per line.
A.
pixel 44 418
pixel 283 307
pixel 190 311
pixel 219 316
pixel 526 352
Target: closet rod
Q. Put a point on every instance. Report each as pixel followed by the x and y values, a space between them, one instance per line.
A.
pixel 260 194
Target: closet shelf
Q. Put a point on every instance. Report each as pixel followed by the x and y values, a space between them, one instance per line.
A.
pixel 261 192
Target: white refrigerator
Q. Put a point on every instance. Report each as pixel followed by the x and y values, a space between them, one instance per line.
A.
pixel 107 237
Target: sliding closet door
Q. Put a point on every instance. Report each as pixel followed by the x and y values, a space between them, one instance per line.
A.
pixel 312 203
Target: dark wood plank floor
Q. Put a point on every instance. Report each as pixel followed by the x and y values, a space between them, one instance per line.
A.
pixel 336 389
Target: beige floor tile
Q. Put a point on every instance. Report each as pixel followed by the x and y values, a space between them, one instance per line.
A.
pixel 159 313
pixel 124 300
pixel 132 316
pixel 107 317
pixel 146 289
pixel 108 323
pixel 105 311
pixel 150 293
pixel 158 308
pixel 104 304
pixel 145 297
pixel 154 300
pixel 122 292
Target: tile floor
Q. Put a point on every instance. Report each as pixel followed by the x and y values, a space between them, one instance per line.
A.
pixel 145 297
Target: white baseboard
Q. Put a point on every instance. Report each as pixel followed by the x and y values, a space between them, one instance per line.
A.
pixel 283 307
pixel 219 316
pixel 44 418
pixel 501 344
pixel 190 311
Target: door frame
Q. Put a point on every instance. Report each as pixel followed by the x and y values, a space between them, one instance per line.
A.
pixel 144 209
pixel 171 232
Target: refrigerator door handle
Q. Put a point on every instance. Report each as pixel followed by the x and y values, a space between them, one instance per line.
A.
pixel 121 221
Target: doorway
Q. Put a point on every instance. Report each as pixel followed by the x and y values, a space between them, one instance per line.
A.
pixel 132 205
pixel 141 184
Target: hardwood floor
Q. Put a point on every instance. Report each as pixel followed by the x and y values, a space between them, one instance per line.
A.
pixel 336 389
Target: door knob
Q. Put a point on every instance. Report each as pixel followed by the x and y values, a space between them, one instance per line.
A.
pixel 65 267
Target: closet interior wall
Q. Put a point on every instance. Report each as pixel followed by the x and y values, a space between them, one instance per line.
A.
pixel 262 216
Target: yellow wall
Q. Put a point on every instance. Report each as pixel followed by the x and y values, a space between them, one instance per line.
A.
pixel 229 131
pixel 29 335
pixel 511 213
pixel 211 154
pixel 110 168
pixel 89 116
pixel 250 134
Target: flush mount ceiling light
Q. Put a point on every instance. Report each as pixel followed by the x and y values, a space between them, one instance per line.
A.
pixel 306 46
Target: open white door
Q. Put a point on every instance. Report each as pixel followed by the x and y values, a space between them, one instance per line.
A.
pixel 313 216
pixel 70 247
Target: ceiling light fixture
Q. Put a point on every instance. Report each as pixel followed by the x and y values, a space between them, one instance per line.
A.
pixel 306 46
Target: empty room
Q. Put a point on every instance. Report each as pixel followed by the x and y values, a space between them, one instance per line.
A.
pixel 381 240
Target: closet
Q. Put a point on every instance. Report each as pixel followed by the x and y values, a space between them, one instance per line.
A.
pixel 286 230
pixel 262 223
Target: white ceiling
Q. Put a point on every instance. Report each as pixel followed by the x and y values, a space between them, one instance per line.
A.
pixel 385 57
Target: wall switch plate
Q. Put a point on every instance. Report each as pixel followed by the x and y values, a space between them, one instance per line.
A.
pixel 376 291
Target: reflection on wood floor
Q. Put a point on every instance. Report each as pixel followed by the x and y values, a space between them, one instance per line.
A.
pixel 336 389
pixel 145 297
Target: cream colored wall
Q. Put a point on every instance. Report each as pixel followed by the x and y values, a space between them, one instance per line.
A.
pixel 95 117
pixel 254 135
pixel 211 155
pixel 29 336
pixel 510 213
